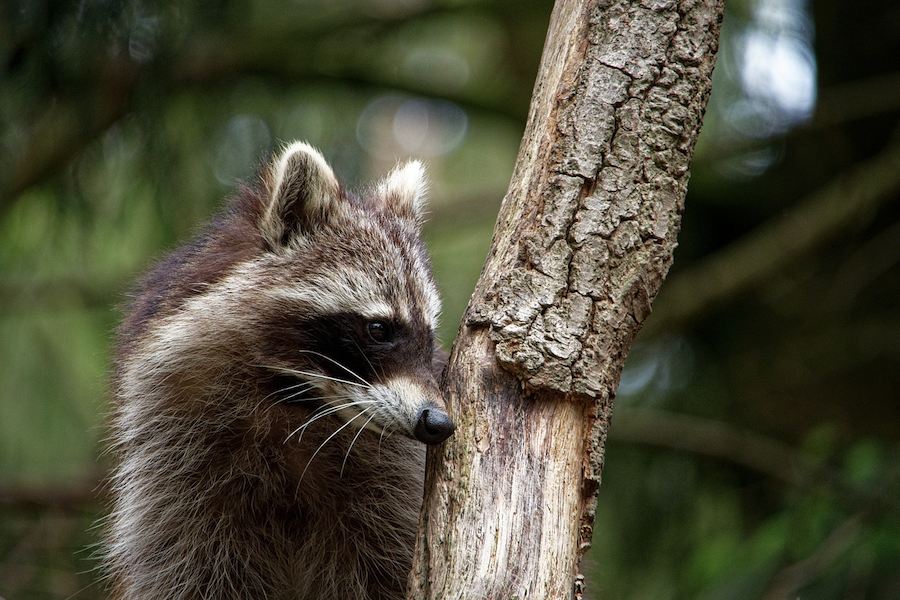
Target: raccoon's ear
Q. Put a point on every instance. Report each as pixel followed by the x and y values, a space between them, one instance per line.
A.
pixel 302 192
pixel 403 191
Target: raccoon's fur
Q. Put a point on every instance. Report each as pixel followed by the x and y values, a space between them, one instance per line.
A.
pixel 273 386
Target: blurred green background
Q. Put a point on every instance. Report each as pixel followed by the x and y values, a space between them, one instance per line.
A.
pixel 754 449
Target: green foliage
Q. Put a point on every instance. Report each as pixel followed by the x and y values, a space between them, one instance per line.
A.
pixel 123 126
pixel 731 535
pixel 48 554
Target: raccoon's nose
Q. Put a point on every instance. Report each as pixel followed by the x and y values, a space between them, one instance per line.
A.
pixel 433 426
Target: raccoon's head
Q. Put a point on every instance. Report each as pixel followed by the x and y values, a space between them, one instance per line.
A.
pixel 349 307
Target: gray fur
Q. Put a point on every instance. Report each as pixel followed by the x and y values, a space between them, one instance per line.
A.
pixel 250 464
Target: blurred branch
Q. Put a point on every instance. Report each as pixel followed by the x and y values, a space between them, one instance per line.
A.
pixel 787 582
pixel 65 127
pixel 73 497
pixel 834 349
pixel 765 455
pixel 840 205
pixel 836 106
pixel 334 53
pixel 870 262
pixel 20 567
pixel 223 58
pixel 853 100
pixel 51 294
pixel 717 440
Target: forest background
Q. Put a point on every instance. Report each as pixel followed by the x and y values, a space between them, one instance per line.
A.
pixel 755 445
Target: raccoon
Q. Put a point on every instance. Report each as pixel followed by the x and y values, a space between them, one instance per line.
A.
pixel 273 389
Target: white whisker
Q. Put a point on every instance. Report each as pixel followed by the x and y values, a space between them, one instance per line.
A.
pixel 353 441
pixel 291 397
pixel 306 385
pixel 371 366
pixel 320 413
pixel 320 376
pixel 322 445
pixel 344 367
pixel 330 408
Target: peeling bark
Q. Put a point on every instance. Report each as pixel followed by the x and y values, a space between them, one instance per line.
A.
pixel 583 241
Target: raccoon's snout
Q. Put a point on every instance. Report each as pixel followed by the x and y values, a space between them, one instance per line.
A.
pixel 433 426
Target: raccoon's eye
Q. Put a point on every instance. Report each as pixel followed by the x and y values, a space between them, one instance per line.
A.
pixel 378 331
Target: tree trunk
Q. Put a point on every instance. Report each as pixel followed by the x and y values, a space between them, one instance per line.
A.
pixel 583 241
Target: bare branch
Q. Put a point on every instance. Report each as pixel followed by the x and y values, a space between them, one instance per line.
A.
pixel 859 99
pixel 841 205
pixel 717 440
pixel 788 581
pixel 62 130
pixel 333 53
pixel 72 497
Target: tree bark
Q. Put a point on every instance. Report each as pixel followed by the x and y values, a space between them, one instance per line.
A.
pixel 583 241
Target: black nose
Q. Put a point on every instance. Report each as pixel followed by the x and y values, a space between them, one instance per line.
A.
pixel 433 426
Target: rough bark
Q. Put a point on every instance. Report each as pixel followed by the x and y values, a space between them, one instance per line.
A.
pixel 583 241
